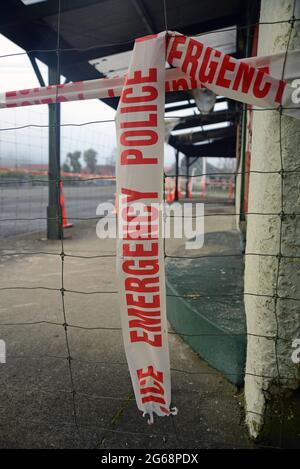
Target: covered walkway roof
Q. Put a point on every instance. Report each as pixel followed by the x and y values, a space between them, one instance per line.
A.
pixel 95 38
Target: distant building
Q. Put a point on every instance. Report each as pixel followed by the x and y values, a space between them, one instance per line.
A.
pixel 106 170
pixel 33 166
pixel 102 170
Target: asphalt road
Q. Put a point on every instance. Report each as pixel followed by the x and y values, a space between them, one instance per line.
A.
pixel 24 209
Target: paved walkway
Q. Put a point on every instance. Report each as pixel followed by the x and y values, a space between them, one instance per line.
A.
pixel 37 401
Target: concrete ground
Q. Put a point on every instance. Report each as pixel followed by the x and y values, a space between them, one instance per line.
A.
pixel 37 402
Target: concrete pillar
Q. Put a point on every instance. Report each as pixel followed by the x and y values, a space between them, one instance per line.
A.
pixel 270 316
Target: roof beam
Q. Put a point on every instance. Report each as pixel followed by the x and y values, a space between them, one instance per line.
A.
pixel 15 12
pixel 144 15
pixel 189 105
pixel 174 96
pixel 220 148
pixel 30 38
pixel 209 26
pixel 205 119
pixel 36 70
pixel 94 52
pixel 203 135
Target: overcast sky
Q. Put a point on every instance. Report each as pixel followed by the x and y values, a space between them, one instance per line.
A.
pixel 31 144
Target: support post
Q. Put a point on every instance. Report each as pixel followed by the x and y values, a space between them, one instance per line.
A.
pixel 187 162
pixel 203 179
pixel 247 49
pixel 177 176
pixel 272 275
pixel 53 209
pixel 36 69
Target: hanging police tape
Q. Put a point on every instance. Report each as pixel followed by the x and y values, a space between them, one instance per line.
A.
pixel 229 77
pixel 140 140
pixel 140 254
pixel 256 80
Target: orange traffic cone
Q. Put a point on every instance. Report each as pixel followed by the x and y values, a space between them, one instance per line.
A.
pixel 203 186
pixel 65 223
pixel 179 189
pixel 230 193
pixel 170 191
pixel 115 210
pixel 189 190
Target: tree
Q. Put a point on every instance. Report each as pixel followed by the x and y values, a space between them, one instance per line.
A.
pixel 90 158
pixel 66 167
pixel 74 161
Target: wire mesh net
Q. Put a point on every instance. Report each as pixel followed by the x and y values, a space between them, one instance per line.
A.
pixel 66 371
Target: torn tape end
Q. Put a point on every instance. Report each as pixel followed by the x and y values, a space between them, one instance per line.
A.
pixel 150 421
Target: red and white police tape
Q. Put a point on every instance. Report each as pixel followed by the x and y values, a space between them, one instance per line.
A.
pixel 197 66
pixel 140 138
pixel 140 252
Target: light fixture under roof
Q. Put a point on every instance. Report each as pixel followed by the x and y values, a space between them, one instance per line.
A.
pixel 205 100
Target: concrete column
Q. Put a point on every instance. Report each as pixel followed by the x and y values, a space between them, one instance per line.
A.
pixel 270 316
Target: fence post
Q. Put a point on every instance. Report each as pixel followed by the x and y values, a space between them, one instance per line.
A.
pixel 53 209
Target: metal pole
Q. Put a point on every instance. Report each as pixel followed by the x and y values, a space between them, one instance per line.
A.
pixel 53 209
pixel 187 161
pixel 203 179
pixel 244 134
pixel 36 69
pixel 176 175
